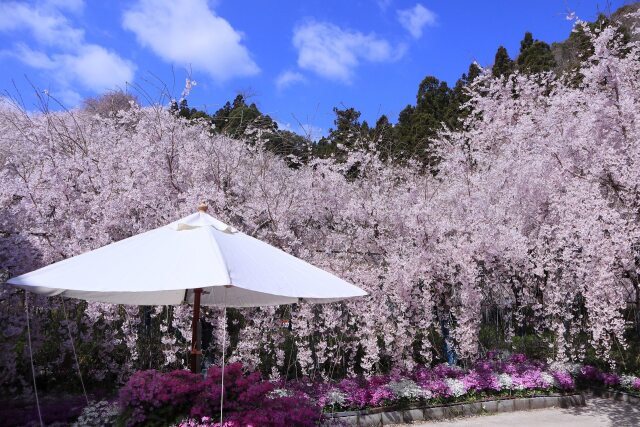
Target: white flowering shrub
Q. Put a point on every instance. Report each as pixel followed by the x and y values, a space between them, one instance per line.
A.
pixel 280 392
pixel 456 387
pixel 98 414
pixel 335 397
pixel 572 368
pixel 548 379
pixel 408 389
pixel 505 381
pixel 627 381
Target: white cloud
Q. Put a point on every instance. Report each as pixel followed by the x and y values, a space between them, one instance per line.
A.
pixel 75 6
pixel 415 19
pixel 97 68
pixel 71 62
pixel 48 26
pixel 189 33
pixel 91 66
pixel 288 78
pixel 335 53
pixel 32 58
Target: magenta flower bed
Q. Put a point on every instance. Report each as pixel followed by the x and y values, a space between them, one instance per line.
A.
pixel 512 376
pixel 589 376
pixel 152 398
pixel 188 400
pixel 495 376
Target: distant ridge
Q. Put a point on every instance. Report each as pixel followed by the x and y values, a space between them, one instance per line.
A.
pixel 566 52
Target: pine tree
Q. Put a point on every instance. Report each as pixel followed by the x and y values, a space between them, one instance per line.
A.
pixel 383 139
pixel 347 127
pixel 344 137
pixel 535 56
pixel 526 42
pixel 433 108
pixel 221 117
pixel 502 64
pixel 459 97
pixel 404 133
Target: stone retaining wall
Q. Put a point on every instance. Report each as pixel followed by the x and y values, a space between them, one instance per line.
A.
pixel 394 415
pixel 616 395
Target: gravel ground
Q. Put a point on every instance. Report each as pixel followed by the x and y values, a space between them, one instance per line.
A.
pixel 597 413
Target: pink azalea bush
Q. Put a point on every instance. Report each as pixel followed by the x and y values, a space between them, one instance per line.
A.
pixel 515 375
pixel 589 375
pixel 153 398
pixel 493 376
pixel 564 380
pixel 249 401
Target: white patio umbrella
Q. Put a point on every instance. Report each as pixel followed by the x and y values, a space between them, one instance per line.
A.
pixel 198 251
pixel 196 259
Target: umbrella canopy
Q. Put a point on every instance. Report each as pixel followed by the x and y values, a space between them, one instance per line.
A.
pixel 196 259
pixel 164 266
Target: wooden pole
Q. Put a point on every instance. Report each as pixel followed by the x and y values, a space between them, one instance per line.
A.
pixel 196 353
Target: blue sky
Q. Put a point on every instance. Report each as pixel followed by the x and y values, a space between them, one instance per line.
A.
pixel 297 59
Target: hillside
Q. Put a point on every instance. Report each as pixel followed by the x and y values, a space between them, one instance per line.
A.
pixel 566 52
pixel 418 125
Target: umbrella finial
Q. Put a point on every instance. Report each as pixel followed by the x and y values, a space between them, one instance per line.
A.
pixel 202 207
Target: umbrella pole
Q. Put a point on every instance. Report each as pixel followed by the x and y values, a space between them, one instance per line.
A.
pixel 195 339
pixel 224 345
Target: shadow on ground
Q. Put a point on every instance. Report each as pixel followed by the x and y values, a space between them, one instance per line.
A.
pixel 618 413
pixel 599 412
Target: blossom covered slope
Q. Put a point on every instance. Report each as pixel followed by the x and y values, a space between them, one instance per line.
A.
pixel 533 214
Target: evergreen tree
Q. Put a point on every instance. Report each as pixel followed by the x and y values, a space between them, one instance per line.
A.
pixel 323 148
pixel 535 56
pixel 347 126
pixel 526 42
pixel 240 117
pixel 473 72
pixel 294 148
pixel 221 117
pixel 404 133
pixel 346 134
pixel 365 131
pixel 502 64
pixel 457 111
pixel 183 109
pixel 433 108
pixel 383 138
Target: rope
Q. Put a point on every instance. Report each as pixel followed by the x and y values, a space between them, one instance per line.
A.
pixel 33 369
pixel 224 344
pixel 286 374
pixel 73 347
